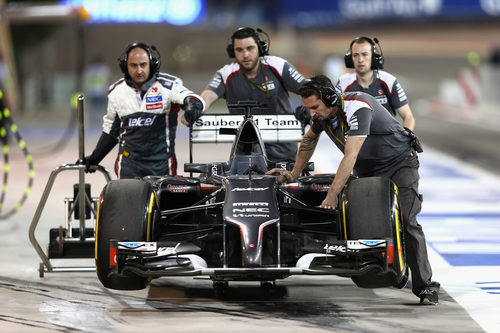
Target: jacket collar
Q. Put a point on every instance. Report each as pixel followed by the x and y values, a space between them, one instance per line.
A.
pixel 145 86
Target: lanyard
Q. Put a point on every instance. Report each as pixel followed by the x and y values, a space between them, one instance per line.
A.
pixel 266 90
pixel 340 140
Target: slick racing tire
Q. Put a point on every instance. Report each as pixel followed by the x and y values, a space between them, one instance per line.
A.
pixel 371 211
pixel 126 212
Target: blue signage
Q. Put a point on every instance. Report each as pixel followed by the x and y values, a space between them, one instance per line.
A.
pixel 321 13
pixel 152 11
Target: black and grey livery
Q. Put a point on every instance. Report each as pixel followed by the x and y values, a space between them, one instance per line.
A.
pixel 233 222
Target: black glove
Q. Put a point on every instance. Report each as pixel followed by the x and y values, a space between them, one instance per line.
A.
pixel 415 142
pixel 193 108
pixel 104 145
pixel 88 161
pixel 303 115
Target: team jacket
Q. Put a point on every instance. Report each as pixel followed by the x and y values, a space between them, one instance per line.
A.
pixel 387 142
pixel 145 121
pixel 385 88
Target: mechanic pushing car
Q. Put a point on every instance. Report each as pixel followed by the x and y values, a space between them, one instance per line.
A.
pixel 374 143
pixel 369 78
pixel 142 116
pixel 257 76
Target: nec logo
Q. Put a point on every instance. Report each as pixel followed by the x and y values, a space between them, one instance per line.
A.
pixel 141 122
pixel 153 99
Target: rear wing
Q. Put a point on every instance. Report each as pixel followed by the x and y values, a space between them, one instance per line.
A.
pixel 225 128
pixel 220 128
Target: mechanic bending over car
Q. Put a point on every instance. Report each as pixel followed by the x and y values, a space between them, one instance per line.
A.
pixel 256 76
pixel 374 143
pixel 142 116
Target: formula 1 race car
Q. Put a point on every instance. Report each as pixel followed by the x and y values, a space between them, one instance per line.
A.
pixel 234 223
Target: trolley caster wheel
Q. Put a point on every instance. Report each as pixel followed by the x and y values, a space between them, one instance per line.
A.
pixel 60 241
pixel 41 270
pixel 220 288
pixel 268 288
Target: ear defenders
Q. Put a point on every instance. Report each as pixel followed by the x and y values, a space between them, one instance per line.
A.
pixel 377 58
pixel 154 61
pixel 245 32
pixel 328 95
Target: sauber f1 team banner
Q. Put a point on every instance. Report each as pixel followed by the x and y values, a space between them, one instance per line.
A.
pixel 274 128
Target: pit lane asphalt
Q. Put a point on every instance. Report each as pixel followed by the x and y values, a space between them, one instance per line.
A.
pixel 78 302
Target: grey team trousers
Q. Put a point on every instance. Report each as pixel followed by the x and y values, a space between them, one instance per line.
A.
pixel 405 175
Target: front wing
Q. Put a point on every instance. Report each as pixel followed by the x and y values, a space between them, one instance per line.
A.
pixel 156 259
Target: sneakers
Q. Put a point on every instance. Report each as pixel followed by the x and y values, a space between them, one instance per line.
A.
pixel 428 296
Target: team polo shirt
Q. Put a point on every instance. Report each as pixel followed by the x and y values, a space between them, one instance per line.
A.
pixel 277 77
pixel 386 144
pixel 384 87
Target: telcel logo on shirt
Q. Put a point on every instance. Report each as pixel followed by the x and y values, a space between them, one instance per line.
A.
pixel 140 122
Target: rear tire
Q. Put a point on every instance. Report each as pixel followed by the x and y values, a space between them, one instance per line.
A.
pixel 125 213
pixel 371 211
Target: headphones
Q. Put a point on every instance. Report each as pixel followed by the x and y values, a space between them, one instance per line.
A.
pixel 245 32
pixel 154 61
pixel 328 95
pixel 377 58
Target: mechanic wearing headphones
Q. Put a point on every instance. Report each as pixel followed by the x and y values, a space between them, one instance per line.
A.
pixel 369 78
pixel 142 116
pixel 374 143
pixel 256 76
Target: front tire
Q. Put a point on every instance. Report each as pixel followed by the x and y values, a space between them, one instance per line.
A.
pixel 371 211
pixel 126 212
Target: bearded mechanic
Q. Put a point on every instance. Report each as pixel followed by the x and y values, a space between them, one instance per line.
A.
pixel 256 76
pixel 142 116
pixel 374 143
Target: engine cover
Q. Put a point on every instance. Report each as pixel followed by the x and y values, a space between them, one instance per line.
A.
pixel 251 204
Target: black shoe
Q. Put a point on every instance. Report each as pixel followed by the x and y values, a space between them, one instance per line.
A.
pixel 428 296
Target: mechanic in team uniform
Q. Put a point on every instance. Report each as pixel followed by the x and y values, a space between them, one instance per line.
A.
pixel 142 116
pixel 369 78
pixel 256 76
pixel 374 143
